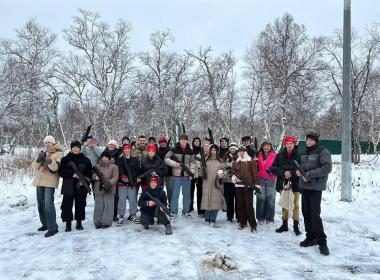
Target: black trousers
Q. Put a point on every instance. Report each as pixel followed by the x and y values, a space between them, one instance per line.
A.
pixel 311 211
pixel 229 195
pixel 198 182
pixel 147 217
pixel 78 201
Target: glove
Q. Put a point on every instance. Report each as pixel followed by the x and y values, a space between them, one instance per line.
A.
pixel 41 157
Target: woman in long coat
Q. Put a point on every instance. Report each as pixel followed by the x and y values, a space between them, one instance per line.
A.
pixel 212 191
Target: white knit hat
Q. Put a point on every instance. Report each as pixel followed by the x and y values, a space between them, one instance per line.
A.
pixel 233 146
pixel 112 142
pixel 49 139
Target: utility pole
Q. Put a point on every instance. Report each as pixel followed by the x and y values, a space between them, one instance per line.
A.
pixel 346 194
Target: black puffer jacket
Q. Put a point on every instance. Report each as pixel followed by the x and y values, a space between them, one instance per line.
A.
pixel 284 163
pixel 159 166
pixel 134 167
pixel 70 185
pixel 157 193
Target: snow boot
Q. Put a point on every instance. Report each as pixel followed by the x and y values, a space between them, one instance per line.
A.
pixel 296 228
pixel 284 226
pixel 43 228
pixel 120 220
pixel 79 225
pixel 308 242
pixel 68 226
pixel 51 232
pixel 323 249
pixel 168 230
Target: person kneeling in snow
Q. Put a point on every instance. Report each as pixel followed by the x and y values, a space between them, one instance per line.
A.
pixel 149 209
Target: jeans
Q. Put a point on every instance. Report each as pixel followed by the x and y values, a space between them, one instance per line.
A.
pixel 210 215
pixel 177 182
pixel 46 208
pixel 265 201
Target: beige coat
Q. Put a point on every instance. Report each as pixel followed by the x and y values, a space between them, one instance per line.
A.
pixel 110 172
pixel 47 175
pixel 212 189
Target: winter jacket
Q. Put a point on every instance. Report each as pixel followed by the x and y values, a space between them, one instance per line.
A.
pixel 283 163
pixel 265 164
pixel 70 185
pixel 143 200
pixel 246 167
pixel 159 166
pixel 212 189
pixel 114 153
pixel 46 175
pixel 251 151
pixel 110 172
pixel 134 167
pixel 316 161
pixel 185 157
pixel 162 153
pixel 93 154
pixel 223 152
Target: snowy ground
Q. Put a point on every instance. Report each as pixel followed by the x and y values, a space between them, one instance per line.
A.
pixel 128 252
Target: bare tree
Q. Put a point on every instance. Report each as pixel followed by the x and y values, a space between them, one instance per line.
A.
pixel 365 52
pixel 107 61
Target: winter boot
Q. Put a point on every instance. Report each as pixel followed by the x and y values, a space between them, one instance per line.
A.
pixel 68 226
pixel 43 228
pixel 284 226
pixel 79 225
pixel 296 228
pixel 308 242
pixel 323 249
pixel 168 229
pixel 51 232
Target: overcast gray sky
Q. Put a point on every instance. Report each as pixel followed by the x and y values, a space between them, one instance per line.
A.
pixel 222 24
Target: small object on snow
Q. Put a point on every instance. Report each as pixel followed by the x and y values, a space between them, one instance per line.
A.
pixel 219 261
pixel 19 201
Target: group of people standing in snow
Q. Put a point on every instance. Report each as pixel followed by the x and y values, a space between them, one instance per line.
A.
pixel 151 177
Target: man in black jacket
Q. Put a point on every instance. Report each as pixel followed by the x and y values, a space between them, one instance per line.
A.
pixel 72 188
pixel 285 169
pixel 246 141
pixel 162 151
pixel 224 142
pixel 126 186
pixel 316 162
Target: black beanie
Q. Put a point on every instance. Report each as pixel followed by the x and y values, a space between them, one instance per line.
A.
pixel 106 154
pixel 76 143
pixel 214 146
pixel 312 135
pixel 125 137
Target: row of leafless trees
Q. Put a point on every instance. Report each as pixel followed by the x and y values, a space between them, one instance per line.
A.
pixel 287 82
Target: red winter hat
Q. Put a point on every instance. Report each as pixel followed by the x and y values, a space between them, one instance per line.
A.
pixel 154 179
pixel 290 138
pixel 162 139
pixel 127 147
pixel 152 148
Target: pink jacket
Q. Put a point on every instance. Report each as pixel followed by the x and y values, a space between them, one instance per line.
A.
pixel 266 164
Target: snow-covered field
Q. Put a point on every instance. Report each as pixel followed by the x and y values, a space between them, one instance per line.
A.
pixel 128 252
